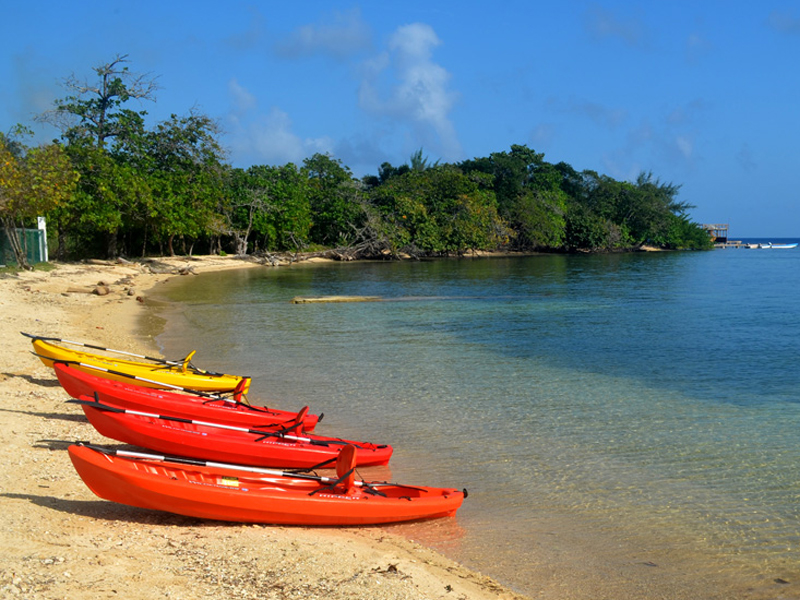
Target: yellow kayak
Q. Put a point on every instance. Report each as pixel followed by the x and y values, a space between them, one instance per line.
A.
pixel 155 373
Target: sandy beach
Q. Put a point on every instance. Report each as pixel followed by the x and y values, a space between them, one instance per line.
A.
pixel 58 540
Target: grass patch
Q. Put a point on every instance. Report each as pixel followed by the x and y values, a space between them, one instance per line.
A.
pixel 10 270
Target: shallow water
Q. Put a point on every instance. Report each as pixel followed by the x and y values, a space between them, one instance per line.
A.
pixel 625 424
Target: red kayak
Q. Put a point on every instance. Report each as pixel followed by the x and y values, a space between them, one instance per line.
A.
pixel 276 447
pixel 210 408
pixel 204 490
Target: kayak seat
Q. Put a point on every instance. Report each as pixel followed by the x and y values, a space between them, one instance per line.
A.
pixel 187 360
pixel 238 394
pixel 300 420
pixel 346 468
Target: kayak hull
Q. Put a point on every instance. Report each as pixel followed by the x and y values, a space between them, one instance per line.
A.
pixel 150 374
pixel 233 495
pixel 79 383
pixel 207 442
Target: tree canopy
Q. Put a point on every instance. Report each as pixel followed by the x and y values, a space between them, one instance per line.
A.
pixel 112 185
pixel 33 182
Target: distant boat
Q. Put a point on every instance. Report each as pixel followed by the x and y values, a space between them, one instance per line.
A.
pixel 771 245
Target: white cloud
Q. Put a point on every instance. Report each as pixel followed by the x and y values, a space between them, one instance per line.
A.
pixel 249 38
pixel 266 138
pixel 670 143
pixel 414 43
pixel 685 146
pixel 271 137
pixel 342 36
pixel 688 114
pixel 784 22
pixel 602 115
pixel 242 100
pixel 598 113
pixel 697 47
pixel 671 139
pixel 603 24
pixel 620 165
pixel 32 90
pixel 543 135
pixel 404 83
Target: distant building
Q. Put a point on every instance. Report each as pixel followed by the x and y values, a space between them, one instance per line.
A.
pixel 718 233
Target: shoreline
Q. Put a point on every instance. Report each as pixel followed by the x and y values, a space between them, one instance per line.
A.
pixel 58 539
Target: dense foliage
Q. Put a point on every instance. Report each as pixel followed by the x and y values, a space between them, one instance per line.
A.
pixel 112 186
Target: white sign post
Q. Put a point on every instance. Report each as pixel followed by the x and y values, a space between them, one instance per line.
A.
pixel 43 242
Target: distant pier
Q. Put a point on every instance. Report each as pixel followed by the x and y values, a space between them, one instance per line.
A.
pixel 718 233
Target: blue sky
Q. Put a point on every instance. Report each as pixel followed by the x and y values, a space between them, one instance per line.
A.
pixel 703 94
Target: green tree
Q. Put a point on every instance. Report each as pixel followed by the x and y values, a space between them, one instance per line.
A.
pixel 95 109
pixel 538 217
pixel 529 195
pixel 337 201
pixel 109 197
pixel 32 182
pixel 645 209
pixel 183 161
pixel 439 210
pixel 418 162
pixel 683 233
pixel 538 212
pixel 512 172
pixel 385 172
pixel 273 204
pixel 101 134
pixel 586 230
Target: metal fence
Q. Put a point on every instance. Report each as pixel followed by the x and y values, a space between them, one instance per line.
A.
pixel 33 242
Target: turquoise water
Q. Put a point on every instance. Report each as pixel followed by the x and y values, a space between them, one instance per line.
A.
pixel 629 420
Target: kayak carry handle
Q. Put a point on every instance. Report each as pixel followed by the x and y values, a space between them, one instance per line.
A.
pixel 186 360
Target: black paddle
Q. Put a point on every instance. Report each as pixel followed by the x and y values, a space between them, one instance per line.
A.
pixel 282 433
pixel 163 384
pixel 84 345
pixel 210 397
pixel 216 465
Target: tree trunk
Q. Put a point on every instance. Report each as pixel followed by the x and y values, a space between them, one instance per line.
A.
pixel 61 251
pixel 144 242
pixel 16 247
pixel 111 245
pixel 241 243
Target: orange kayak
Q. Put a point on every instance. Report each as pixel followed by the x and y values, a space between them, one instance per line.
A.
pixel 234 493
pixel 264 447
pixel 207 407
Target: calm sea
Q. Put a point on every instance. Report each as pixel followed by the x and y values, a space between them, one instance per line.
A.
pixel 626 425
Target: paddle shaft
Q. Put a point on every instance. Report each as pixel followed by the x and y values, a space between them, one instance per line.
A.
pixel 143 379
pixel 198 393
pixel 216 465
pixel 295 438
pixel 161 384
pixel 93 347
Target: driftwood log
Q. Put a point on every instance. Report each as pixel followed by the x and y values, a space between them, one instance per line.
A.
pixel 312 299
